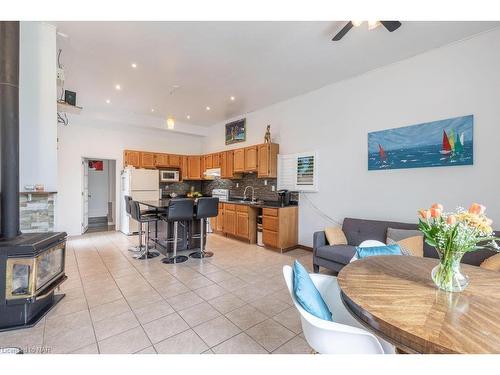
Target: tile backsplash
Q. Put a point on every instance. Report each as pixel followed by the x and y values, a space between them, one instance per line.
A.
pixel 179 188
pixel 237 187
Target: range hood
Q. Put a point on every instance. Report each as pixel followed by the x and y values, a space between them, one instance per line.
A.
pixel 212 173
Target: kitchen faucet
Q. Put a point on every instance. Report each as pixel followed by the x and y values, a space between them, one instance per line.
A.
pixel 245 193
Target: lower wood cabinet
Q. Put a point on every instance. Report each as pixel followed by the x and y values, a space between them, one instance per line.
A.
pixel 229 219
pixel 280 227
pixel 237 220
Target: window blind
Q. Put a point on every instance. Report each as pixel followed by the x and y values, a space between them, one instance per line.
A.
pixel 298 172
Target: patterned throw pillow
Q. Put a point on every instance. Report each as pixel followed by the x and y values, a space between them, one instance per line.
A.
pixel 410 241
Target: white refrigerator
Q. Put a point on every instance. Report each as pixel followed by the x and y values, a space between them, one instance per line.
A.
pixel 140 184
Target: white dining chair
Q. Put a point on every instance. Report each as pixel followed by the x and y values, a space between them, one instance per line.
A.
pixel 345 335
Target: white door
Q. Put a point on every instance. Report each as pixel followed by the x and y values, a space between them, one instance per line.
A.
pixel 85 196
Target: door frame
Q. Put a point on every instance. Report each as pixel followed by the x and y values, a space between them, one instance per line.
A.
pixel 116 208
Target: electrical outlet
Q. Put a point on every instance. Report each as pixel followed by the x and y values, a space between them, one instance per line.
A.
pixel 265 182
pixel 273 188
pixel 60 74
pixel 237 185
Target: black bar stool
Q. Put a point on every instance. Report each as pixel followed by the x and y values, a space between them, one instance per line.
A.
pixel 128 199
pixel 205 208
pixel 142 218
pixel 180 209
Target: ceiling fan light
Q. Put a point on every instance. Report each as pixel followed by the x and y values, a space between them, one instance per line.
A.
pixel 373 24
pixel 357 23
pixel 170 123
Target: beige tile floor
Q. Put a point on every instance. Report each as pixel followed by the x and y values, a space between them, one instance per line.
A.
pixel 234 302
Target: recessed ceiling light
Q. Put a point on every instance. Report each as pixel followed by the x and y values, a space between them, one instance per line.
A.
pixel 232 98
pixel 207 108
pixel 133 65
pixel 152 109
pixel 118 87
pixel 188 117
pixel 108 101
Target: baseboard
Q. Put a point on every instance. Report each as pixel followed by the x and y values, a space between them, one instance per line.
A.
pixel 304 247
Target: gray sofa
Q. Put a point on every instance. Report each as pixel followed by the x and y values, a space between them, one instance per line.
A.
pixel 358 230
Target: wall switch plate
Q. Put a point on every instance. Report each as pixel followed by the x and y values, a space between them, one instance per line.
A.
pixel 237 185
pixel 60 74
pixel 273 188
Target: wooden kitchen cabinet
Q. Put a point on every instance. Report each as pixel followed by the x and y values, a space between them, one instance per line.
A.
pixel 148 160
pixel 132 158
pixel 229 219
pixel 194 168
pixel 280 227
pixel 174 161
pixel 242 224
pixel 267 160
pixel 239 160
pixel 219 222
pixel 184 168
pixel 227 165
pixel 161 160
pixel 208 161
pixel 251 159
pixel 216 160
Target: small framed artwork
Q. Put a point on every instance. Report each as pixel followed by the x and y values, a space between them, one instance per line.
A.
pixel 236 131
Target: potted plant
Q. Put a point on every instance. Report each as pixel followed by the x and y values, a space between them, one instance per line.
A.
pixel 454 234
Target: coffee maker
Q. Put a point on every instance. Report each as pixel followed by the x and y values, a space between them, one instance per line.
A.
pixel 283 197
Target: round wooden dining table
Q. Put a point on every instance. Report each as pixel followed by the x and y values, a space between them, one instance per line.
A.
pixel 395 298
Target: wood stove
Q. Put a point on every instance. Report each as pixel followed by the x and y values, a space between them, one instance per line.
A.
pixel 31 265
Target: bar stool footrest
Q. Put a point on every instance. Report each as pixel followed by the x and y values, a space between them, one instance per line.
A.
pixel 201 254
pixel 175 260
pixel 147 255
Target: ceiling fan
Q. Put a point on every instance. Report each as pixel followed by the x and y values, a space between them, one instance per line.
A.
pixel 389 25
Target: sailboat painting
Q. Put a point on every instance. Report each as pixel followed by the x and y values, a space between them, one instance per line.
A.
pixel 432 144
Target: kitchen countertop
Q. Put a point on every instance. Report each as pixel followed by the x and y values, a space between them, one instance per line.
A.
pixel 234 200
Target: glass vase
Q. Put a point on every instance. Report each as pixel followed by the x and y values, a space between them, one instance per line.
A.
pixel 447 275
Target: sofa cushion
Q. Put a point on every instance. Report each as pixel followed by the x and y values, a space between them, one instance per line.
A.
pixel 335 236
pixel 338 253
pixel 358 230
pixel 492 263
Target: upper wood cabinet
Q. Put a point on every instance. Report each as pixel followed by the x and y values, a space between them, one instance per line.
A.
pixel 267 160
pixel 239 160
pixel 251 159
pixel 184 168
pixel 174 161
pixel 148 160
pixel 216 160
pixel 194 168
pixel 208 161
pixel 132 158
pixel 161 160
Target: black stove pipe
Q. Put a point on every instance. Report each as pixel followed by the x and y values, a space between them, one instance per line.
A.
pixel 9 128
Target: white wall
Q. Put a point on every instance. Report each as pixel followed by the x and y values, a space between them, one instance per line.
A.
pixel 459 79
pixel 37 106
pixel 99 190
pixel 86 138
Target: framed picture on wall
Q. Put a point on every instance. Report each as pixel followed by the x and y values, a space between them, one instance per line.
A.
pixel 236 131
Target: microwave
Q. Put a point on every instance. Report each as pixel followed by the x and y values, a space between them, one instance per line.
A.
pixel 169 176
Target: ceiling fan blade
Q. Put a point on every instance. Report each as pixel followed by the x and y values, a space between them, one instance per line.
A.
pixel 342 32
pixel 391 25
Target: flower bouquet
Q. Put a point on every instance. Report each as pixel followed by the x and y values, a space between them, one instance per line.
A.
pixel 453 235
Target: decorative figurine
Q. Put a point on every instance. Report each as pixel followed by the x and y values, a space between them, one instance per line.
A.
pixel 267 137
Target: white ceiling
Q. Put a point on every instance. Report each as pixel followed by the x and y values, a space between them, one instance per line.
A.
pixel 259 63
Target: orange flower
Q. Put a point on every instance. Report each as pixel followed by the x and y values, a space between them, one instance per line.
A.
pixel 435 212
pixel 477 209
pixel 452 220
pixel 424 214
pixel 439 206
